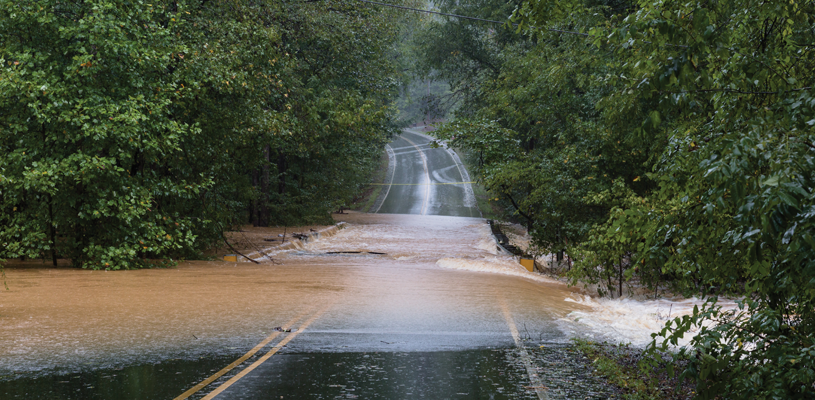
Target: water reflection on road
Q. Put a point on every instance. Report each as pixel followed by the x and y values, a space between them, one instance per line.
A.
pixel 370 317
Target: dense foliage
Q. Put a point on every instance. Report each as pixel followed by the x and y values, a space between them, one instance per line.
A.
pixel 528 118
pixel 669 142
pixel 135 130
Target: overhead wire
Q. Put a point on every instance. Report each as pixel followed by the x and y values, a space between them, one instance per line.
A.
pixel 464 16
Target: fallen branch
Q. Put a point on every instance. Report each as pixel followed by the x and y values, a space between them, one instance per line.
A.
pixel 256 248
pixel 238 252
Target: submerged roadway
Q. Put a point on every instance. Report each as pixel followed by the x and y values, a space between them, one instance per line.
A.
pixel 395 306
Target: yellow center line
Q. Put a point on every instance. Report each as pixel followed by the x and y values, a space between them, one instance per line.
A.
pixel 513 329
pixel 239 361
pixel 266 356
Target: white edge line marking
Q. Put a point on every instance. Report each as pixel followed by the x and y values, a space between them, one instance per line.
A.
pixel 392 168
pixel 513 329
pixel 465 177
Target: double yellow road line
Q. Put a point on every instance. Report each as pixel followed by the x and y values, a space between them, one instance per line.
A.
pixel 535 379
pixel 251 353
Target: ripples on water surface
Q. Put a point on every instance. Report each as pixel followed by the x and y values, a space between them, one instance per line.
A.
pixel 440 285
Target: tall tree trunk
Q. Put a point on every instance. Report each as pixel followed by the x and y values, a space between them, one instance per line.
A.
pixel 610 285
pixel 263 207
pixel 281 172
pixel 255 205
pixel 52 230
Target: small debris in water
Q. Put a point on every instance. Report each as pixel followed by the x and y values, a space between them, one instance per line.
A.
pixel 356 252
pixel 280 329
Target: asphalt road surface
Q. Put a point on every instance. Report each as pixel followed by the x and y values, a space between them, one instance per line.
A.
pixel 425 180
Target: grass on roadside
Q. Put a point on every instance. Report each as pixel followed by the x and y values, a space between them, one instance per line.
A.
pixel 489 209
pixel 620 366
pixel 368 197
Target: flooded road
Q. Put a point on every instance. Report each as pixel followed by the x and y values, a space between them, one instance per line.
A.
pixel 172 329
pixel 411 305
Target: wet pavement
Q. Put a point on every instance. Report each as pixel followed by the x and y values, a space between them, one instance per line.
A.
pixel 429 375
pixel 393 307
pixel 425 180
pixel 471 374
pixel 165 331
pixel 162 380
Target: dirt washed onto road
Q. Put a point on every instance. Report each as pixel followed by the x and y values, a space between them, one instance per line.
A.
pixel 405 282
pixel 73 318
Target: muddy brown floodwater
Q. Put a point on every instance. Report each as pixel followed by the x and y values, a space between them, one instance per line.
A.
pixel 384 283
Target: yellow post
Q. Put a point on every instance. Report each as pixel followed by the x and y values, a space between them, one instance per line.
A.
pixel 231 258
pixel 528 263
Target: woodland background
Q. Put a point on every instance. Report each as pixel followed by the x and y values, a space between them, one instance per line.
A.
pixel 658 142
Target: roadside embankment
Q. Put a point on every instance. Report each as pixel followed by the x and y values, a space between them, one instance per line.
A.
pixel 259 243
pixel 630 318
pixel 619 367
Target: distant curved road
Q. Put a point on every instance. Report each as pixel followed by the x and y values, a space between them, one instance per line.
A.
pixel 426 180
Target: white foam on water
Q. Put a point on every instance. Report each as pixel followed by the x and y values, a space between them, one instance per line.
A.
pixel 633 321
pixel 263 254
pixel 486 241
pixel 493 265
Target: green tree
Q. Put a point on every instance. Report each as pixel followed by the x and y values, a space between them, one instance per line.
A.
pixel 540 145
pixel 729 85
pixel 86 105
pixel 669 142
pixel 135 131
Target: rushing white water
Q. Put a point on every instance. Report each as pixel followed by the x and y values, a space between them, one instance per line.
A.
pixel 435 282
pixel 485 241
pixel 471 247
pixel 632 321
pixel 495 265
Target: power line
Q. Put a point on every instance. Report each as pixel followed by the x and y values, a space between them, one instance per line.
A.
pixel 463 16
pixel 433 12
